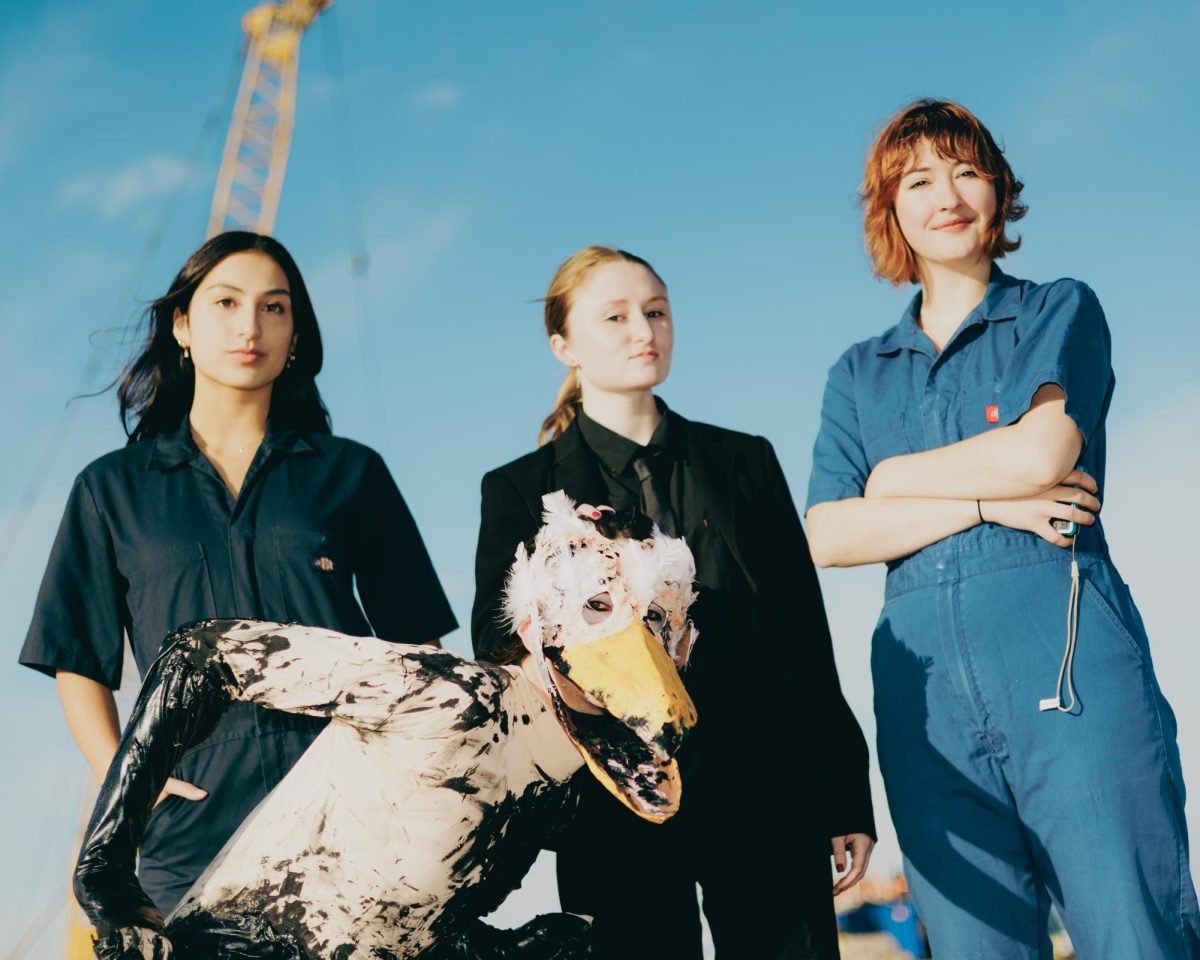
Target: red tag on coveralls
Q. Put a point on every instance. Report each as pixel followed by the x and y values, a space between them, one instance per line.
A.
pixel 992 412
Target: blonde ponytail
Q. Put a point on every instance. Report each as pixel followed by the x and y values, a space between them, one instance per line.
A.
pixel 569 394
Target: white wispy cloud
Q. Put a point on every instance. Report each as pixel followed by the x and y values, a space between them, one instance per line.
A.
pixel 114 192
pixel 1123 66
pixel 436 96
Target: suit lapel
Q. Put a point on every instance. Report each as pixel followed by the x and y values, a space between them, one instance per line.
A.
pixel 575 471
pixel 713 469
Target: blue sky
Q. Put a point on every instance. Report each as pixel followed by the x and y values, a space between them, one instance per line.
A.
pixel 721 141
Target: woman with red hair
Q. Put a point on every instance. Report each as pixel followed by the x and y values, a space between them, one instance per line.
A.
pixel 1026 762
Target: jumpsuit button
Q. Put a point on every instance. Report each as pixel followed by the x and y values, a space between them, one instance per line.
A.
pixel 995 743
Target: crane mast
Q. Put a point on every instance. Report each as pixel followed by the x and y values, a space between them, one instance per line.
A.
pixel 251 176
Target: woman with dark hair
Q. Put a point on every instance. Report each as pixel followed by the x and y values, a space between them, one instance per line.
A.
pixel 764 866
pixel 231 499
pixel 1028 752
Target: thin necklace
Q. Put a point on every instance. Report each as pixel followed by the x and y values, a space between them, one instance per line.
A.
pixel 241 451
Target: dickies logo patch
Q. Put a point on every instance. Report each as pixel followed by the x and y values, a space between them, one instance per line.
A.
pixel 324 564
pixel 992 413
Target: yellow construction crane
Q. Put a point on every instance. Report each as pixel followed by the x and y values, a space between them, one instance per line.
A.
pixel 251 175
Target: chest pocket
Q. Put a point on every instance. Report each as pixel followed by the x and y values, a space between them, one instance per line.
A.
pixel 315 573
pixel 885 437
pixel 980 410
pixel 169 586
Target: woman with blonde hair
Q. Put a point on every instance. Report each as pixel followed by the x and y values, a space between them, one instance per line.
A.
pixel 763 865
pixel 1028 753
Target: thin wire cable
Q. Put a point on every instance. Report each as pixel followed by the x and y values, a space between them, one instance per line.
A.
pixel 348 178
pixel 25 504
pixel 356 244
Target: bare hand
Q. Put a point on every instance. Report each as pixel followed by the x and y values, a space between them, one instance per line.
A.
pixel 1062 502
pixel 1078 478
pixel 180 788
pixel 851 854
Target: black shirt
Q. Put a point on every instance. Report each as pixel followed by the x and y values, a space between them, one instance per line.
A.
pixel 616 454
pixel 667 451
pixel 152 539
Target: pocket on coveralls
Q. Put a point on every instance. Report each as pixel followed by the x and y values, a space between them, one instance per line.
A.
pixel 885 437
pixel 1090 595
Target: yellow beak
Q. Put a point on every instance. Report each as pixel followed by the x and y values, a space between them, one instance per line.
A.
pixel 631 676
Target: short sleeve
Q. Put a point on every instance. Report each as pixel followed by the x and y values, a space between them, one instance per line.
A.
pixel 400 591
pixel 1062 338
pixel 79 620
pixel 839 463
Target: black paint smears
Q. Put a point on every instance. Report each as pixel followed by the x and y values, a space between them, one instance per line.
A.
pixel 234 936
pixel 503 848
pixel 622 753
pixel 186 690
pixel 482 689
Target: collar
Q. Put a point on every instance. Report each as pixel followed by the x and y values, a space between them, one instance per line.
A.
pixel 1001 301
pixel 1003 298
pixel 176 447
pixel 616 452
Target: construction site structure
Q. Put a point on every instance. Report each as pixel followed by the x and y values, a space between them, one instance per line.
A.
pixel 250 180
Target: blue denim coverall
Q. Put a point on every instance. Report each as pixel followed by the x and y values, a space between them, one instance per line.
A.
pixel 999 806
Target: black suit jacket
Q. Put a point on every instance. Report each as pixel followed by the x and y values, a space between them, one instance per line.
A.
pixel 771 708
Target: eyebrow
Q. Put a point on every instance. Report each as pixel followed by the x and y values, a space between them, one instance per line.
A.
pixel 622 302
pixel 230 286
pixel 953 162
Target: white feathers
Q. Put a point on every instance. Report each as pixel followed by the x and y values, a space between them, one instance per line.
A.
pixel 520 589
pixel 572 563
pixel 528 576
pixel 640 569
pixel 560 517
pixel 675 561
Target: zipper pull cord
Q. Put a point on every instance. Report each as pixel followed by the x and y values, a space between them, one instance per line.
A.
pixel 1067 669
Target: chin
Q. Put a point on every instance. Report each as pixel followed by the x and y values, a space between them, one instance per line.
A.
pixel 259 381
pixel 959 250
pixel 652 378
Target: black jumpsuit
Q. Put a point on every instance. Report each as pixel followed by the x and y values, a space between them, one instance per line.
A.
pixel 152 539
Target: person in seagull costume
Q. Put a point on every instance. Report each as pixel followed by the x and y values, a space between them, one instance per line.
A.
pixel 425 802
